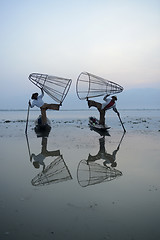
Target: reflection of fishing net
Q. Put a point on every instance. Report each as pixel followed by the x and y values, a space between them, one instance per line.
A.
pixel 93 173
pixel 56 87
pixel 89 85
pixel 56 172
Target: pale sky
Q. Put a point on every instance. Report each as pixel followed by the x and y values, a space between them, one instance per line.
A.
pixel 115 39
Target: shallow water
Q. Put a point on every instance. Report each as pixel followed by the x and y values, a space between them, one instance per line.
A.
pixel 76 114
pixel 76 199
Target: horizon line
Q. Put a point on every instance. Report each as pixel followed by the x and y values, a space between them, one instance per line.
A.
pixel 81 109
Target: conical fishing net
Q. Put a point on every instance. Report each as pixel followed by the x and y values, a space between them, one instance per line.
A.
pixel 89 85
pixel 91 173
pixel 56 172
pixel 56 87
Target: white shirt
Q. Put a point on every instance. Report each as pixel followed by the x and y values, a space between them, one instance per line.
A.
pixel 39 158
pixel 38 102
pixel 107 101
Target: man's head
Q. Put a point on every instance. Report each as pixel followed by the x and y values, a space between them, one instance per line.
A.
pixel 114 98
pixel 34 96
pixel 114 164
pixel 36 164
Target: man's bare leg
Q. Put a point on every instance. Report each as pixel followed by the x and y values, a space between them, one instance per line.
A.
pixel 94 104
pixel 102 117
pixel 45 107
pixel 53 106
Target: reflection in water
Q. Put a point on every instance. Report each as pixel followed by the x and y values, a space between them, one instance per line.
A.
pixel 94 173
pixel 99 131
pixel 42 130
pixel 102 154
pixel 56 171
pixel 39 158
pixel 90 173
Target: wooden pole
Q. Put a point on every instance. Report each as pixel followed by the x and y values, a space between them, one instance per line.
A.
pixel 27 119
pixel 121 123
pixel 28 147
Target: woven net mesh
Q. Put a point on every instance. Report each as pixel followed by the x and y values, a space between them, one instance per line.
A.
pixel 56 87
pixel 91 173
pixel 89 85
pixel 55 172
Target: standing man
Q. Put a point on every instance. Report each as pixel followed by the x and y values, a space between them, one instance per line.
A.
pixel 38 102
pixel 110 103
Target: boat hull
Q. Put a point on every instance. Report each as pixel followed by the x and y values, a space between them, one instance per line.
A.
pixel 40 129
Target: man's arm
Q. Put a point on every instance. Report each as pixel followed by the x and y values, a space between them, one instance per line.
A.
pixel 43 167
pixel 105 97
pixel 30 104
pixel 42 93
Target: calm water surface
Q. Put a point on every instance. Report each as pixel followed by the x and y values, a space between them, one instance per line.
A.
pixel 70 114
pixel 90 186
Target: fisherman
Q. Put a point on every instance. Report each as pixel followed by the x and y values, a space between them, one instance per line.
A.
pixel 38 102
pixel 110 103
pixel 102 154
pixel 39 159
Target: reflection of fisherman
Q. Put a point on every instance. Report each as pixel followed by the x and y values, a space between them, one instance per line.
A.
pixel 102 154
pixel 103 107
pixel 39 159
pixel 38 102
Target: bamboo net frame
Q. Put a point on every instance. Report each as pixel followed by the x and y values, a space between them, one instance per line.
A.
pixel 91 173
pixel 89 86
pixel 56 87
pixel 57 171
